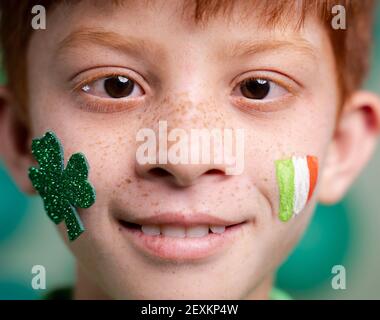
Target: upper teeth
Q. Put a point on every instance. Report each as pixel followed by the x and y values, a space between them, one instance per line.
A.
pixel 181 232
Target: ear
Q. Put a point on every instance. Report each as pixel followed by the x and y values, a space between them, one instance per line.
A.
pixel 14 142
pixel 353 143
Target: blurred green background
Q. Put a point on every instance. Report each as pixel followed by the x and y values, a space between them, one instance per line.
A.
pixel 344 234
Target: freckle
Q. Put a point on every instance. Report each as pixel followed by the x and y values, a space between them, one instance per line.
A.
pixel 145 195
pixel 128 181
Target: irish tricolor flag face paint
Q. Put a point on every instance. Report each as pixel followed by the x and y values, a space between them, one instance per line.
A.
pixel 296 178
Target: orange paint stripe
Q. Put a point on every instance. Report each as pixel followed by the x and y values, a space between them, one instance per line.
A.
pixel 312 163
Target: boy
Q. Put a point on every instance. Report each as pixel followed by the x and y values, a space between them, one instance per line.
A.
pixel 102 71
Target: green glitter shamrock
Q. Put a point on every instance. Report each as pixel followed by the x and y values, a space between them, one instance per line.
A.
pixel 61 189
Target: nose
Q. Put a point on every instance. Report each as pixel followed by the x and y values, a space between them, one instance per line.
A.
pixel 190 105
pixel 193 155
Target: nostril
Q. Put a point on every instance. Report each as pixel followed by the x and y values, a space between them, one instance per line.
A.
pixel 159 172
pixel 214 171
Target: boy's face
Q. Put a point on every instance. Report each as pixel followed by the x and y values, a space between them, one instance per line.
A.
pixel 191 76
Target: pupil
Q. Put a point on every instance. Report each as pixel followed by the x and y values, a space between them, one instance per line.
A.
pixel 255 88
pixel 118 87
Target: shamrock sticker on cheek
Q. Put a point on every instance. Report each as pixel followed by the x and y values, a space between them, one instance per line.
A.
pixel 62 190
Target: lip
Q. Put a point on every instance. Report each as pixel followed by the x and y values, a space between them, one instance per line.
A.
pixel 182 249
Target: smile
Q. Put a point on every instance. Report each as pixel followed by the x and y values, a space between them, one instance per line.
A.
pixel 181 237
pixel 177 231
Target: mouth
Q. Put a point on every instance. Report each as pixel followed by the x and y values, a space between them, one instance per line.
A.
pixel 170 238
pixel 177 231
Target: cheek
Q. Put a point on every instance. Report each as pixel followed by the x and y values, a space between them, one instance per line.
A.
pixel 107 144
pixel 305 132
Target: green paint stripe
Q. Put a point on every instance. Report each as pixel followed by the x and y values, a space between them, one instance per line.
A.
pixel 285 181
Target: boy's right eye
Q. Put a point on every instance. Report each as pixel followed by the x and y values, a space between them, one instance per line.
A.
pixel 115 87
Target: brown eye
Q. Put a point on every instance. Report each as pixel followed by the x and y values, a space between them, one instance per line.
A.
pixel 118 87
pixel 256 89
pixel 115 87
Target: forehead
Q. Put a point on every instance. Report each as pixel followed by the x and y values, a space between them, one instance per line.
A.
pixel 173 19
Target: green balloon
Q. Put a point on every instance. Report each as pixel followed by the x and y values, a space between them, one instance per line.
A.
pixel 13 205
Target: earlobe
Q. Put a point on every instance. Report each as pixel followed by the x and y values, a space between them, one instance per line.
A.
pixel 14 142
pixel 352 145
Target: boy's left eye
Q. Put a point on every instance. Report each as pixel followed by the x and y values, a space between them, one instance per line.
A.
pixel 114 87
pixel 259 89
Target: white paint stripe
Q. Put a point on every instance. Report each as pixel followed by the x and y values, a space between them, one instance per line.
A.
pixel 301 183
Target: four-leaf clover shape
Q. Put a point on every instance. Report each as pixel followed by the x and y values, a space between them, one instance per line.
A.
pixel 62 190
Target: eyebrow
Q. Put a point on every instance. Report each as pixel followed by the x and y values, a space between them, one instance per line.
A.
pixel 244 48
pixel 132 45
pixel 137 46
